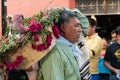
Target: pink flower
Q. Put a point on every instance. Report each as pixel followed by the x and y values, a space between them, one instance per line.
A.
pixel 9 66
pixel 33 46
pixel 35 27
pixel 41 47
pixel 56 31
pixel 19 59
pixel 16 63
pixel 49 40
pixel 36 38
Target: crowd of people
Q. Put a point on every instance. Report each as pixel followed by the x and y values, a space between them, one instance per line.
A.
pixel 65 60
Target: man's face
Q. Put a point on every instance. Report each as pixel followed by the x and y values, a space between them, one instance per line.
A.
pixel 91 30
pixel 72 30
pixel 118 37
pixel 114 37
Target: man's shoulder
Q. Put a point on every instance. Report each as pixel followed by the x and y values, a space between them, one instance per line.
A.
pixel 97 38
pixel 113 44
pixel 59 47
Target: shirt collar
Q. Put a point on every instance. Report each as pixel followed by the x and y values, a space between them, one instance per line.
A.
pixel 76 51
pixel 90 37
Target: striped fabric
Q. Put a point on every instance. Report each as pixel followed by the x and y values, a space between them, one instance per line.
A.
pixel 84 70
pixel 83 60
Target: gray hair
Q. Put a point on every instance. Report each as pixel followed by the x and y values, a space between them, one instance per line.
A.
pixel 65 16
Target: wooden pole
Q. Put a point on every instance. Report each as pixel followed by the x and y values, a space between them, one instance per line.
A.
pixel 105 6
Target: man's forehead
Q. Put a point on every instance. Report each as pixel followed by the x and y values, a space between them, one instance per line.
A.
pixel 75 19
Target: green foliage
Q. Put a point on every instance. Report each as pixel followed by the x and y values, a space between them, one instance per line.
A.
pixel 13 44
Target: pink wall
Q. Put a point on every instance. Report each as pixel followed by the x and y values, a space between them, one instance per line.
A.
pixel 0 20
pixel 30 7
pixel 72 3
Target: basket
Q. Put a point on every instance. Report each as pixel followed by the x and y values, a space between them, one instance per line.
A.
pixel 30 55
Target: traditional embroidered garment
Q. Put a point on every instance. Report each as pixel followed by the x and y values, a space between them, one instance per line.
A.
pixel 84 60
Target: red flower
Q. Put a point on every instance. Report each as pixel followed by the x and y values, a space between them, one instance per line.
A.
pixel 15 64
pixel 35 27
pixel 20 59
pixel 56 31
pixel 41 47
pixel 36 38
pixel 49 40
pixel 9 66
pixel 33 46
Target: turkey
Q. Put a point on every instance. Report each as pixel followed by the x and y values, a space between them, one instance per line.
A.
pixel 17 23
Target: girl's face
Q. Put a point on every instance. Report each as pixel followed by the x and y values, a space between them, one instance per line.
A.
pixel 105 43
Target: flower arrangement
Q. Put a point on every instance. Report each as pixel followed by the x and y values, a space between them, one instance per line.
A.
pixel 34 29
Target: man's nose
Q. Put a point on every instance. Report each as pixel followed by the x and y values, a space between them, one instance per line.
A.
pixel 80 29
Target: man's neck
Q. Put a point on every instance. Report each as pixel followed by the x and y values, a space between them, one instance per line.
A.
pixel 91 35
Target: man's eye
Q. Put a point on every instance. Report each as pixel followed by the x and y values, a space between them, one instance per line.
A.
pixel 78 25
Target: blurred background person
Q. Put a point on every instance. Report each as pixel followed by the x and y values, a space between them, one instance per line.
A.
pixel 113 36
pixel 112 57
pixel 103 71
pixel 94 43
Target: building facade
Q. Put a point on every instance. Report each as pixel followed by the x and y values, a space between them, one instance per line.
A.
pixel 30 7
pixel 99 7
pixel 88 7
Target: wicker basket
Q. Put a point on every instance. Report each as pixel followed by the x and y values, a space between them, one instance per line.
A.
pixel 31 56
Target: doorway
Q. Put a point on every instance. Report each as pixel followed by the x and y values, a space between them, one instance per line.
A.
pixel 106 23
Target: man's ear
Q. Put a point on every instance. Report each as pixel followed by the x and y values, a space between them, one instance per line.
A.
pixel 94 27
pixel 62 28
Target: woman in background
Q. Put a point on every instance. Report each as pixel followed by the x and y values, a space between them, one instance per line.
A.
pixel 103 71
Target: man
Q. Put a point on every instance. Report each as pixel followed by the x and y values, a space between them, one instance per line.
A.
pixel 113 36
pixel 83 59
pixel 60 63
pixel 112 57
pixel 94 43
